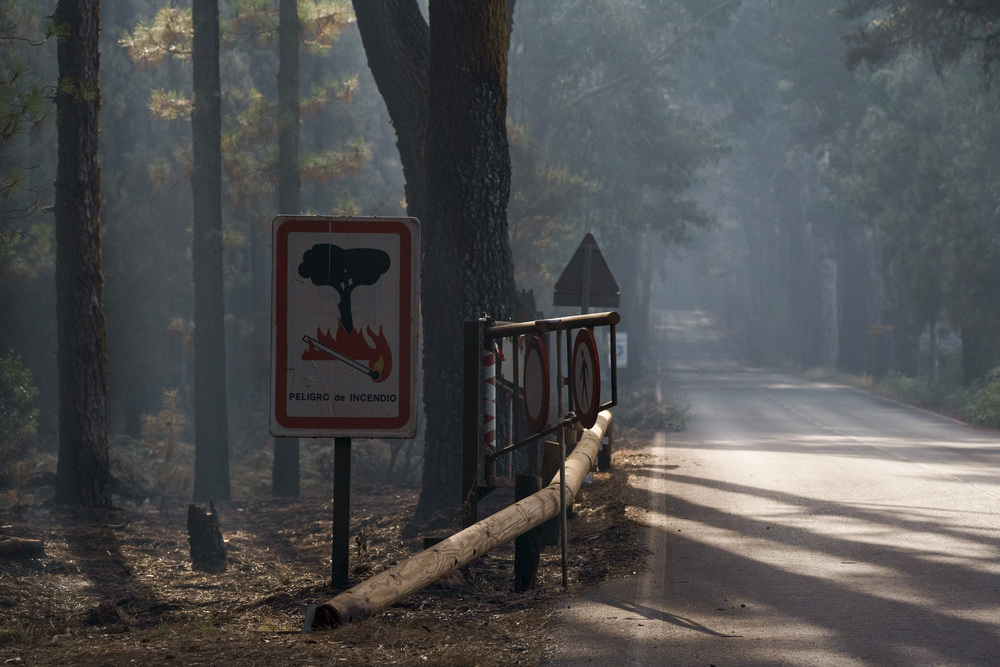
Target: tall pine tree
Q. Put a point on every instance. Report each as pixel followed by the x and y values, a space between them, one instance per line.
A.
pixel 82 476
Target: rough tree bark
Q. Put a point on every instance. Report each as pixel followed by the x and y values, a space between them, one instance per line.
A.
pixel 445 87
pixel 82 476
pixel 396 39
pixel 211 465
pixel 468 185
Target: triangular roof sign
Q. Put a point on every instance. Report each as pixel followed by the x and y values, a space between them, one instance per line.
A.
pixel 603 286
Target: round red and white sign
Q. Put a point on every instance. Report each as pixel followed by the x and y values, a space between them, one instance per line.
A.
pixel 536 383
pixel 585 378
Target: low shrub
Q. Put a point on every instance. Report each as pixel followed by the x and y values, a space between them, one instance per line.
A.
pixel 18 414
pixel 645 411
pixel 983 406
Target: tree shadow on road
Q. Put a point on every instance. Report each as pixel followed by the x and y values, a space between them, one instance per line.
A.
pixel 928 607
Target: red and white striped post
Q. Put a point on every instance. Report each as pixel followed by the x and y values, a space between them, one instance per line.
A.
pixel 490 412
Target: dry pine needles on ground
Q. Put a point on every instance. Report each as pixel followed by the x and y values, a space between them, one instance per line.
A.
pixel 117 587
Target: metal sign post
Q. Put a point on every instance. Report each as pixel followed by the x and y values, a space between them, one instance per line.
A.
pixel 344 326
pixel 341 512
pixel 587 281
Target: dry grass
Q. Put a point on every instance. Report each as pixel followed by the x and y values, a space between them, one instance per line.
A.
pixel 116 588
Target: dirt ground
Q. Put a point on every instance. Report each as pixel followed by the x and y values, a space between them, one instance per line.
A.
pixel 117 588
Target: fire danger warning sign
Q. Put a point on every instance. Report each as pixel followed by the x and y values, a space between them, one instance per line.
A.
pixel 344 317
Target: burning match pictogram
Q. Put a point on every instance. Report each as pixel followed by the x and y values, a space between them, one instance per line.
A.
pixel 371 372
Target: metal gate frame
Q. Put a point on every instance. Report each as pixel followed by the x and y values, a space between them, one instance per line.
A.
pixel 480 337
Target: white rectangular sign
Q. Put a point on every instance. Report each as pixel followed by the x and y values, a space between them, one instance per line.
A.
pixel 344 326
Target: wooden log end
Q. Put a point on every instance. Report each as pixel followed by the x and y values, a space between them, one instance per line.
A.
pixel 341 610
pixel 16 548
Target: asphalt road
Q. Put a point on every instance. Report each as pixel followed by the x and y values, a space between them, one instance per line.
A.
pixel 797 523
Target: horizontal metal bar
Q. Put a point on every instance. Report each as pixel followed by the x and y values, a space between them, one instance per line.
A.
pixel 504 329
pixel 517 445
pixel 565 423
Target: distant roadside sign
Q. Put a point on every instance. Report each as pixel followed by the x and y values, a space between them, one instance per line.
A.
pixel 621 349
pixel 587 280
pixel 585 378
pixel 344 312
pixel 880 329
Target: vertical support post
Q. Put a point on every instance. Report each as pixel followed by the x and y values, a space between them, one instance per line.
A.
pixel 563 530
pixel 550 467
pixel 604 457
pixel 568 381
pixel 472 345
pixel 614 366
pixel 341 510
pixel 510 439
pixel 515 405
pixel 560 378
pixel 527 546
pixel 588 254
pixel 604 453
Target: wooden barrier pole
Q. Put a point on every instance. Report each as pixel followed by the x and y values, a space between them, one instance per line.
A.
pixel 413 574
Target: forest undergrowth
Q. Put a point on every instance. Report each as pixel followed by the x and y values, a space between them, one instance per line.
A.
pixel 116 587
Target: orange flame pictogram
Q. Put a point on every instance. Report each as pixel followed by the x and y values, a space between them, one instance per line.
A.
pixel 354 346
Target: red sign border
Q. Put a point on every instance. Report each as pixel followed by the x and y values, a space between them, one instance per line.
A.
pixel 406 229
pixel 536 344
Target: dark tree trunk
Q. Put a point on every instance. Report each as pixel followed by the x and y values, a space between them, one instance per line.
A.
pixel 82 476
pixel 638 275
pixel 211 466
pixel 285 473
pixel 396 39
pixel 468 185
pixel 445 89
pixel 289 35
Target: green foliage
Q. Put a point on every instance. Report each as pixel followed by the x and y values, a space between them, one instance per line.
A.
pixel 933 395
pixel 169 105
pixel 921 168
pixel 890 175
pixel 332 165
pixel 250 124
pixel 643 410
pixel 602 99
pixel 538 214
pixel 168 35
pixel 777 92
pixel 18 414
pixel 979 405
pixel 983 408
pixel 27 253
pixel 161 461
pixel 24 101
pixel 943 31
